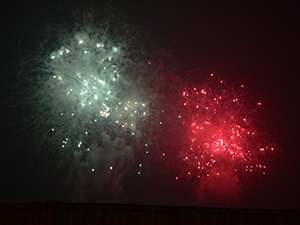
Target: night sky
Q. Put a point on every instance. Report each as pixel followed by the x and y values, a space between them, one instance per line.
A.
pixel 256 43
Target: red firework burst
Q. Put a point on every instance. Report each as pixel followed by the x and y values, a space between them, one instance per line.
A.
pixel 214 130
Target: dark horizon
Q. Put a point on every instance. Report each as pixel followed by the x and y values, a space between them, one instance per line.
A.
pixel 257 44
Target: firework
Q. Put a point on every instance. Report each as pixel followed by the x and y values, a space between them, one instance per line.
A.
pixel 103 106
pixel 91 104
pixel 211 136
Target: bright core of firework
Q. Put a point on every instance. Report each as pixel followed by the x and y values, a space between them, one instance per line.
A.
pixel 93 82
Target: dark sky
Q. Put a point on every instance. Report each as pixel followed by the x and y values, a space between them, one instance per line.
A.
pixel 257 43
